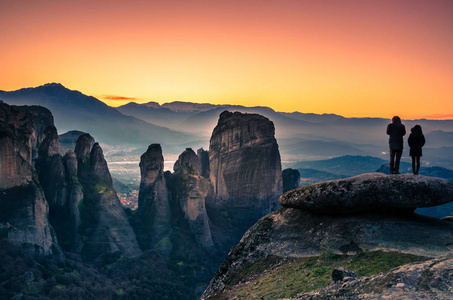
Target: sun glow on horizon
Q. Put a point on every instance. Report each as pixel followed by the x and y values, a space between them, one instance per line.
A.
pixel 355 58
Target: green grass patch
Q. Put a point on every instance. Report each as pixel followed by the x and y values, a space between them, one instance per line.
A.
pixel 275 277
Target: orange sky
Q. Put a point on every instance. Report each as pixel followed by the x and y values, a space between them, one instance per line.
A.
pixel 361 58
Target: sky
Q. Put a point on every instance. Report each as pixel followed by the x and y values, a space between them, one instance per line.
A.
pixel 362 58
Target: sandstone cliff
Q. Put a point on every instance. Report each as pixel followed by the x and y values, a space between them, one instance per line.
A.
pixel 245 166
pixel 42 117
pixel 191 195
pixel 298 232
pixel 58 177
pixel 105 227
pixel 153 201
pixel 23 207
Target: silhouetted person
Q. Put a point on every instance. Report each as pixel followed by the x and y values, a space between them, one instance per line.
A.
pixel 396 131
pixel 416 141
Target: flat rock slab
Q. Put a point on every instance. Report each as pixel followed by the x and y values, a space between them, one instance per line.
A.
pixel 370 192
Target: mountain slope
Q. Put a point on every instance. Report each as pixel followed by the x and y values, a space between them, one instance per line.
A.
pixel 75 111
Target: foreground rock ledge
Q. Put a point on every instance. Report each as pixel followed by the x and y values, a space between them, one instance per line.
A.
pixel 370 192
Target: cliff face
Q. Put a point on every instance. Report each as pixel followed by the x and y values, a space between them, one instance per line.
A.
pixel 105 227
pixel 23 207
pixel 42 117
pixel 245 166
pixel 153 202
pixel 192 193
pixel 311 226
pixel 58 177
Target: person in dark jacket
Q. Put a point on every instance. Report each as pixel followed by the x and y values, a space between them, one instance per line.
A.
pixel 416 141
pixel 396 130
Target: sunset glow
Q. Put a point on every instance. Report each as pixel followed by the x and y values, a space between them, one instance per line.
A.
pixel 353 58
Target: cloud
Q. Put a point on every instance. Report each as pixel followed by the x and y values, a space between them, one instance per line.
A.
pixel 438 116
pixel 118 98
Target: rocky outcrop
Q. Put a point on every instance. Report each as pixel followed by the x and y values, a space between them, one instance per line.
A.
pixel 153 202
pixel 105 227
pixel 52 176
pixel 291 179
pixel 42 117
pixel 192 193
pixel 58 177
pixel 245 165
pixel 23 207
pixel 71 238
pixel 188 163
pixel 370 192
pixel 203 155
pixel 294 232
pixel 432 279
pixel 68 140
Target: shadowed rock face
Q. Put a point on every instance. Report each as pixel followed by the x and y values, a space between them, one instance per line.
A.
pixel 245 166
pixel 291 179
pixel 153 203
pixel 104 222
pixel 193 190
pixel 23 207
pixel 370 192
pixel 203 155
pixel 42 117
pixel 75 196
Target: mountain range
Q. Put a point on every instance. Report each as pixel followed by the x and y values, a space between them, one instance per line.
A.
pixel 177 125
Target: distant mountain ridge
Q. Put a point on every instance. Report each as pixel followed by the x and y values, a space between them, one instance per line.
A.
pixel 75 111
pixel 178 125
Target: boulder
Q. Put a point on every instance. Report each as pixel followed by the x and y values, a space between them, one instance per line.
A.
pixel 432 279
pixel 370 192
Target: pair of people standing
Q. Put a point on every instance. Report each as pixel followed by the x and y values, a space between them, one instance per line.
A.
pixel 396 130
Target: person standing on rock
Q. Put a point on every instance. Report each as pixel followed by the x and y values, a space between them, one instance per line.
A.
pixel 416 141
pixel 396 130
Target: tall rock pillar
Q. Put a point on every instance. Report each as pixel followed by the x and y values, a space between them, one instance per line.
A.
pixel 153 202
pixel 245 164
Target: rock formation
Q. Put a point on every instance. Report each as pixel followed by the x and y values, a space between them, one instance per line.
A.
pixel 192 192
pixel 23 207
pixel 75 196
pixel 203 155
pixel 105 227
pixel 370 192
pixel 68 141
pixel 58 177
pixel 298 232
pixel 42 117
pixel 52 176
pixel 245 166
pixel 291 179
pixel 432 279
pixel 153 202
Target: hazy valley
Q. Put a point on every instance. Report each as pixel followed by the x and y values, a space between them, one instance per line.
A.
pixel 145 201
